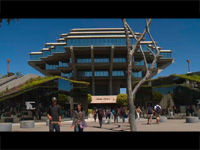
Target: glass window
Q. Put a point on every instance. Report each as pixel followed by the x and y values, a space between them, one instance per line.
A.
pixel 140 63
pixel 166 55
pixel 63 64
pixel 118 73
pixel 59 48
pixel 137 74
pixel 51 67
pixel 83 60
pixel 119 60
pixel 97 42
pixel 35 56
pixel 101 60
pixel 64 85
pixel 101 73
pixel 84 73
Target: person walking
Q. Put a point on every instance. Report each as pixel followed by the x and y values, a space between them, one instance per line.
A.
pixel 63 113
pixel 149 113
pixel 123 113
pixel 95 114
pixel 54 114
pixel 170 111
pixel 100 113
pixel 138 111
pixel 66 114
pixel 176 110
pixel 112 114
pixel 191 110
pixel 79 119
pixel 108 113
pixel 116 114
pixel 158 111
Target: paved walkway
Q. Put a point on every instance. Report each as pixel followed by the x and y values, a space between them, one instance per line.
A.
pixel 170 125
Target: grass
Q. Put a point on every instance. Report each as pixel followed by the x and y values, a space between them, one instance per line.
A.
pixel 189 77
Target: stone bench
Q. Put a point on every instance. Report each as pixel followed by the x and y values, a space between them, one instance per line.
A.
pixel 163 119
pixel 27 124
pixel 192 119
pixel 5 127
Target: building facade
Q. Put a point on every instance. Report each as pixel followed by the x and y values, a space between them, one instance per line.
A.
pixel 98 56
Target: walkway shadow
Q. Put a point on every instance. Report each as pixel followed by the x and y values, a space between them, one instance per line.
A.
pixel 112 129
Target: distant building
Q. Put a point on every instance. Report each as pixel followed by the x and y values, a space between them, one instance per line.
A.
pixel 98 56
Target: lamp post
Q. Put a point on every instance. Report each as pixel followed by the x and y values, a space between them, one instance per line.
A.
pixel 188 65
pixel 8 61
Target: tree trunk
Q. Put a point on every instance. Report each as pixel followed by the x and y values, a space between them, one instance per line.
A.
pixel 129 82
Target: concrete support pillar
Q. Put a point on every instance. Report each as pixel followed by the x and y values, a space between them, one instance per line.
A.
pixel 93 80
pixel 71 101
pixel 111 69
pixel 73 63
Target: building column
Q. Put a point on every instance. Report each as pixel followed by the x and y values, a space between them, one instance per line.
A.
pixel 93 79
pixel 111 69
pixel 73 63
pixel 71 101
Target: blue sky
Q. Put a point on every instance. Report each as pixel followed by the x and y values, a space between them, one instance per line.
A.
pixel 20 38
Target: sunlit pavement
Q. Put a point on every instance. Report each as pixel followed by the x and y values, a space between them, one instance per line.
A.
pixel 170 125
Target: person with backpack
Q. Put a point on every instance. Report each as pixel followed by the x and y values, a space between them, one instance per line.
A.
pixel 123 113
pixel 100 113
pixel 149 113
pixel 158 111
pixel 112 114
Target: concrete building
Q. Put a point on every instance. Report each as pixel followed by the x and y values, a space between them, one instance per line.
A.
pixel 98 56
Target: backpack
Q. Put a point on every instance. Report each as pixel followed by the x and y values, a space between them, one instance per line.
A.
pixel 158 109
pixel 113 112
pixel 100 113
pixel 150 111
pixel 123 110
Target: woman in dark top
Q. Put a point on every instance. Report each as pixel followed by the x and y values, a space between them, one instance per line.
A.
pixel 79 119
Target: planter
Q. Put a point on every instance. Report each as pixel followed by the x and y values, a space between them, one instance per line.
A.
pixel 5 127
pixel 192 119
pixel 47 122
pixel 27 124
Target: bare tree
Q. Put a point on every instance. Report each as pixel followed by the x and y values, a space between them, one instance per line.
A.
pixel 131 50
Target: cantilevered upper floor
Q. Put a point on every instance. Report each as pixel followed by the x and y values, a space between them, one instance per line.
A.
pixel 86 52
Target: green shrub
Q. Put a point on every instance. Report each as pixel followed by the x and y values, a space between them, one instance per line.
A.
pixel 89 111
pixel 189 77
pixel 122 99
pixel 89 98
